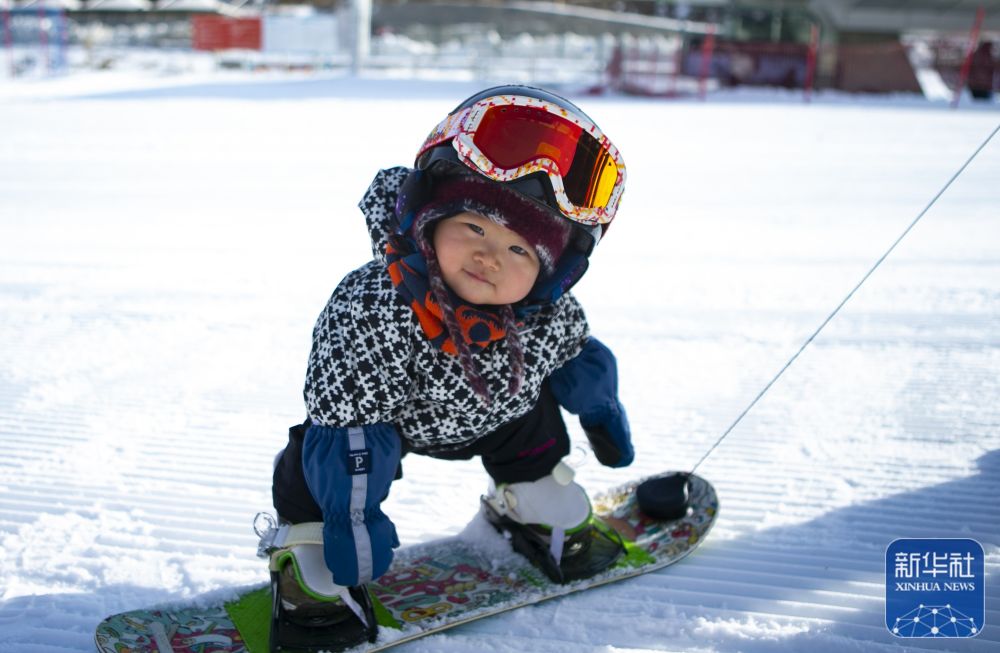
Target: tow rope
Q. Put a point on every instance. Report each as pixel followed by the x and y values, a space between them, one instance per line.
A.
pixel 836 310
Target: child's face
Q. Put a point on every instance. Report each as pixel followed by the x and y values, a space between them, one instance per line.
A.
pixel 483 262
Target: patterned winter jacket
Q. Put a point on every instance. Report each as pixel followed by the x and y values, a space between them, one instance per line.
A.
pixel 371 363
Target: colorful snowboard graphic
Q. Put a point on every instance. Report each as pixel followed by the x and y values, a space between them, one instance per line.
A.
pixel 430 587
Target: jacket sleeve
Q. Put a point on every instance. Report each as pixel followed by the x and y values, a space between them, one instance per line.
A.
pixel 357 376
pixel 587 386
pixel 359 365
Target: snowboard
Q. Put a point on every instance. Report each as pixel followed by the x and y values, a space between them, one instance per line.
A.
pixel 430 587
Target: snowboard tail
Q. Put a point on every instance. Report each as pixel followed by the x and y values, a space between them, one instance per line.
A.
pixel 430 587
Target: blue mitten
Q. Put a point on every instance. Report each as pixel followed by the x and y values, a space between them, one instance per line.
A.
pixel 609 434
pixel 349 471
pixel 587 385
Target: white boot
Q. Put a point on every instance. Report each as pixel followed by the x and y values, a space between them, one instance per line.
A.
pixel 555 501
pixel 550 522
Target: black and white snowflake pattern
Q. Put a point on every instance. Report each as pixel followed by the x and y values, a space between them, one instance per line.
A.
pixel 370 362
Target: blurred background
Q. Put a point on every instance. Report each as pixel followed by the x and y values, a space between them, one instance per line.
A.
pixel 941 49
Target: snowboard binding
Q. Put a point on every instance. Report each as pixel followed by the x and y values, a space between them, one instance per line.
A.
pixel 309 613
pixel 310 629
pixel 586 550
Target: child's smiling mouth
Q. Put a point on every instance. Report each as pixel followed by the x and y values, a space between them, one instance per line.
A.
pixel 477 277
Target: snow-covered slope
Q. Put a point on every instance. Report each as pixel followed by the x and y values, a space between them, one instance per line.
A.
pixel 165 251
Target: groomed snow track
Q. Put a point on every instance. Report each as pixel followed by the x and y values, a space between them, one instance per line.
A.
pixel 164 254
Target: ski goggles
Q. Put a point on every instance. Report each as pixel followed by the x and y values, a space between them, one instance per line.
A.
pixel 507 137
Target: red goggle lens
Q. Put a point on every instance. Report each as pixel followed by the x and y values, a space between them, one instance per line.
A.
pixel 511 136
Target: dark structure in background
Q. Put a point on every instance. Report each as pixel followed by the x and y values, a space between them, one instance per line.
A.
pixel 755 41
pixel 982 72
pixel 857 43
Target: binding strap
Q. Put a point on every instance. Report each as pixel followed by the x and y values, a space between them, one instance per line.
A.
pixel 301 545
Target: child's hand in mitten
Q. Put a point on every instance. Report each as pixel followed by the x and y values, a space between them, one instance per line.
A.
pixel 349 471
pixel 610 437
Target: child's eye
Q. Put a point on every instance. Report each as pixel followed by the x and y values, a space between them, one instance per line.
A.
pixel 475 227
pixel 517 249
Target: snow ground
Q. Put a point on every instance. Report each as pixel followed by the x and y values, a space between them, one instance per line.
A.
pixel 167 245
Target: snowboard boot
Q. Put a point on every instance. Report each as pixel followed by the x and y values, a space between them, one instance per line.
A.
pixel 309 613
pixel 550 522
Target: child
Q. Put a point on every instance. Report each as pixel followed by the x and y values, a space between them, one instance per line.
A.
pixel 461 339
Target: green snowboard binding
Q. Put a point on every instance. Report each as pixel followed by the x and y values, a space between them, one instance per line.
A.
pixel 309 613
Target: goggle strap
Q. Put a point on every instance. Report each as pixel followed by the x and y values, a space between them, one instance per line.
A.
pixel 447 129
